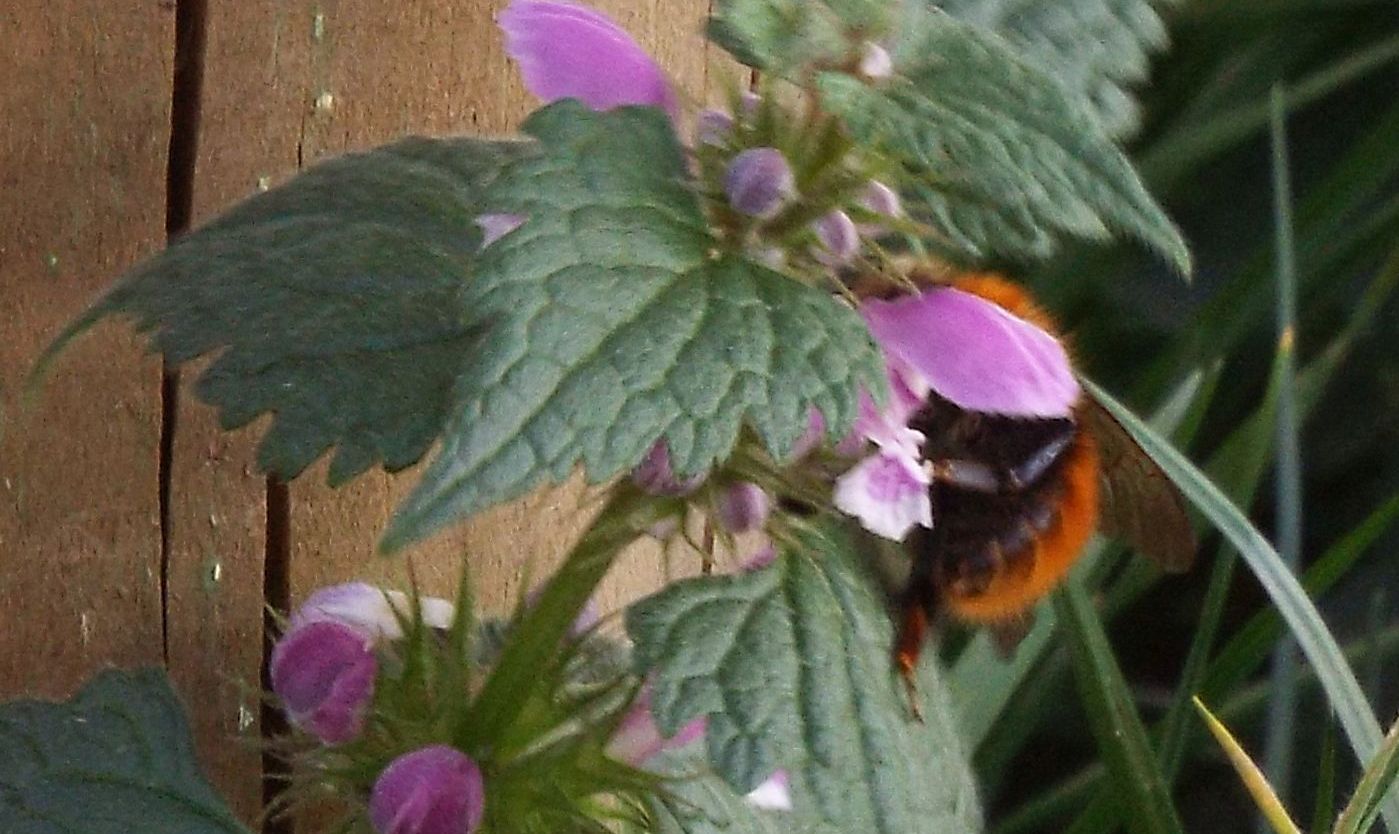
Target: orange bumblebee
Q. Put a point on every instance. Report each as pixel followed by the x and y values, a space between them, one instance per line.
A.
pixel 1016 499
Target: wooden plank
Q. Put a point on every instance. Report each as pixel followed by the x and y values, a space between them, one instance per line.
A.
pixel 84 124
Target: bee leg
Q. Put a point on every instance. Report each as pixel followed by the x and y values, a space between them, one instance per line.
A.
pixel 918 610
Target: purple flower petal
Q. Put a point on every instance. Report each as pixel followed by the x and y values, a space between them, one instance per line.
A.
pixel 759 182
pixel 324 674
pixel 774 794
pixel 432 790
pixel 888 493
pixel 881 199
pixel 568 51
pixel 975 354
pixel 496 226
pixel 765 556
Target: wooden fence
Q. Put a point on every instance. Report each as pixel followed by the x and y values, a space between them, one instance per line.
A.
pixel 133 531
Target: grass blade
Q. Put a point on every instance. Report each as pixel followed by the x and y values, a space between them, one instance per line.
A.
pixel 1316 641
pixel 1257 784
pixel 1282 713
pixel 1122 740
pixel 1378 780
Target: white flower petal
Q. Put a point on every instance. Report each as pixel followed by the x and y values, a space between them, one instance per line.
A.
pixel 774 794
pixel 888 493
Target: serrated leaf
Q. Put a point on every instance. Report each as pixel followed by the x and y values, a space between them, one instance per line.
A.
pixel 791 666
pixel 611 319
pixel 331 301
pixel 999 157
pixel 1095 48
pixel 116 758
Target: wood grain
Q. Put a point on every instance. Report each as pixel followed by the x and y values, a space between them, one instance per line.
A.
pixel 84 121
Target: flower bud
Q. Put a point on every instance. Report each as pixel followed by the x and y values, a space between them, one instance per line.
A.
pixel 432 790
pixel 743 507
pixel 324 673
pixel 759 182
pixel 638 738
pixel 655 476
pixel 881 199
pixel 713 127
pixel 748 103
pixel 875 62
pixel 839 236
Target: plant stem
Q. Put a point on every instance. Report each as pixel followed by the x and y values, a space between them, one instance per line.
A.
pixel 539 631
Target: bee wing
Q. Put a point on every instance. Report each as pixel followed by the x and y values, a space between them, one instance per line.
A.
pixel 1138 504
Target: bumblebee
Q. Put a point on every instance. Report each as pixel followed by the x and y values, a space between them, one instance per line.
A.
pixel 1015 500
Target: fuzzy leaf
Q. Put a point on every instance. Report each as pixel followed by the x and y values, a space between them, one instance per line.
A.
pixel 791 666
pixel 331 301
pixel 611 319
pixel 1095 48
pixel 999 157
pixel 116 758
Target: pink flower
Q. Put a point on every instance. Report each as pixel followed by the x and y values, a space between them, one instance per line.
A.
pixel 568 51
pixel 432 790
pixel 372 611
pixel 324 674
pixel 638 738
pixel 774 794
pixel 655 476
pixel 972 353
pixel 496 226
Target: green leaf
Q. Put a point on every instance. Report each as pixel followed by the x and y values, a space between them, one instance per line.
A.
pixel 1141 787
pixel 1095 48
pixel 792 667
pixel 998 156
pixel 116 758
pixel 331 302
pixel 611 319
pixel 1376 782
pixel 787 35
pixel 1316 641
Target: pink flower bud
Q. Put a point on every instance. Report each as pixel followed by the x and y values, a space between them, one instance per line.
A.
pixel 638 738
pixel 743 507
pixel 759 182
pixel 324 673
pixel 875 62
pixel 881 199
pixel 432 790
pixel 655 476
pixel 713 127
pixel 838 234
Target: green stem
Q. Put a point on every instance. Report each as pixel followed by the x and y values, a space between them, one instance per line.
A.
pixel 539 631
